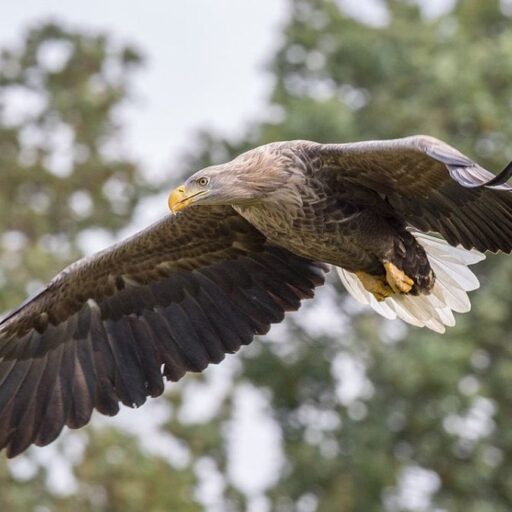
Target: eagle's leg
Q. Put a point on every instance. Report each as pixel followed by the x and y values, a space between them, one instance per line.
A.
pixel 397 279
pixel 377 285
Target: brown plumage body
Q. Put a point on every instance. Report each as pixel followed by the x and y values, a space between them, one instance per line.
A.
pixel 346 225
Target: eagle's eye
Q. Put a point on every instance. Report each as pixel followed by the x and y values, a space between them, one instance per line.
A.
pixel 202 182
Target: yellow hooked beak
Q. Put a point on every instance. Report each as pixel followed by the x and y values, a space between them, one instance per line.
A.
pixel 179 200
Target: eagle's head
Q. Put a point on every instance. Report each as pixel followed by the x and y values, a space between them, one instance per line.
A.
pixel 256 176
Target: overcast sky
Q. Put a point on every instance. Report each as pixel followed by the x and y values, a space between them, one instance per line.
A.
pixel 204 61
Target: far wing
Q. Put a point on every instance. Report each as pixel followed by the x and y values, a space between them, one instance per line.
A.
pixel 432 186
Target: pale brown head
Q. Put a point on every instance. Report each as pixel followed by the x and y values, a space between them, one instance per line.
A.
pixel 252 177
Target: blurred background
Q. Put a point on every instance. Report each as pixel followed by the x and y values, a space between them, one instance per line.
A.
pixel 105 105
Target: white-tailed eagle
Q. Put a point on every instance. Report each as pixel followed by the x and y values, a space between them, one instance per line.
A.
pixel 252 239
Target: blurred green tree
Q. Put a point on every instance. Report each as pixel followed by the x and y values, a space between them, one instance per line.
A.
pixel 62 167
pixel 373 415
pixel 64 173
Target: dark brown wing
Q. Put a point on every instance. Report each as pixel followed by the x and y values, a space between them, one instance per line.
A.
pixel 432 186
pixel 171 299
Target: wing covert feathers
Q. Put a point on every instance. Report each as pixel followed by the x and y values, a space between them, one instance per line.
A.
pixel 172 299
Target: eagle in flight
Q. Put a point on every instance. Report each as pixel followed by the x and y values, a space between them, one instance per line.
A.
pixel 248 241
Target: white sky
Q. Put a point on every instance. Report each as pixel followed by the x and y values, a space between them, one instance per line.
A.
pixel 204 61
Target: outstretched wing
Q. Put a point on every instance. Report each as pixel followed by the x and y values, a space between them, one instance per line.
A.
pixel 171 299
pixel 432 186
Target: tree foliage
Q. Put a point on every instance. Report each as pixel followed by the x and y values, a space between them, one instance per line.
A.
pixel 62 167
pixel 63 174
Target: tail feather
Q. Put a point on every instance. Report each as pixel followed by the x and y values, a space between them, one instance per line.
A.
pixel 434 311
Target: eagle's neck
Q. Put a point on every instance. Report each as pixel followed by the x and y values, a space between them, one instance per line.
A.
pixel 282 179
pixel 275 214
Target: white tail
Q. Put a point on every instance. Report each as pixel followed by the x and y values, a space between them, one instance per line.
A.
pixel 453 280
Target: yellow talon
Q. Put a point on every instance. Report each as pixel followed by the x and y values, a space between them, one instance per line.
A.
pixel 376 285
pixel 397 279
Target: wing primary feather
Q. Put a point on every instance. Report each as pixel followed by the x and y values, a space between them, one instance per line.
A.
pixel 269 310
pixel 148 356
pixel 48 404
pixel 494 183
pixel 107 397
pixel 102 350
pixel 489 238
pixel 258 316
pixel 67 377
pixel 185 337
pixel 273 283
pixel 129 375
pixel 225 274
pixel 9 346
pixel 174 364
pixel 83 324
pixel 172 290
pixel 202 325
pixel 219 274
pixel 13 373
pixel 53 336
pixel 84 385
pixel 232 327
pixel 304 282
pixel 81 402
pixel 55 417
pixel 22 415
